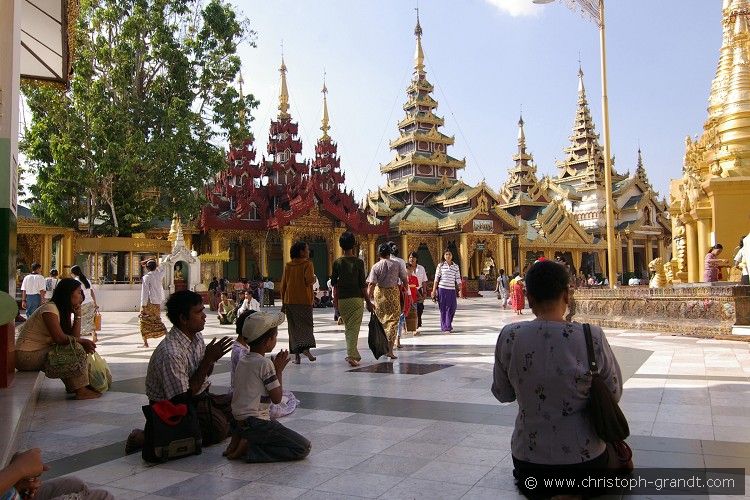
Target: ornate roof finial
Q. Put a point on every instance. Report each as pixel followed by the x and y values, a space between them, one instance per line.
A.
pixel 419 53
pixel 242 102
pixel 325 127
pixel 284 94
pixel 581 87
pixel 521 135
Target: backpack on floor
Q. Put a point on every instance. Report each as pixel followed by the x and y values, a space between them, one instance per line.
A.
pixel 172 431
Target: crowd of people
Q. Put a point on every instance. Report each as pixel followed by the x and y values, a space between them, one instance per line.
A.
pixel 536 362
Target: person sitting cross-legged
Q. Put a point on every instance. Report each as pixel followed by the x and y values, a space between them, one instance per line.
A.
pixel 227 310
pixel 180 366
pixel 257 384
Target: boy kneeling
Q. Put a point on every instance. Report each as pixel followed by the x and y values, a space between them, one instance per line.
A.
pixel 257 383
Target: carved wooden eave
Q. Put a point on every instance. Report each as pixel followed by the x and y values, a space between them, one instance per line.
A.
pixel 405 226
pixel 421 117
pixel 566 194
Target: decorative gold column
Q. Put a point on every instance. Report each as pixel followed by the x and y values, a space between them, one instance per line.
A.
pixel 649 250
pixel 509 256
pixel 68 257
pixel 500 257
pixel 372 257
pixel 215 243
pixel 286 245
pixel 242 268
pixel 263 254
pixel 691 241
pixel 336 247
pixel 46 257
pixel 662 249
pixel 463 250
pixel 618 256
pixel 703 226
pixel 404 247
pixel 131 267
pixel 440 249
pixel 631 257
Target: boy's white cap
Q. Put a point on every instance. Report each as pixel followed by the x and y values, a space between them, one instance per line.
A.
pixel 259 323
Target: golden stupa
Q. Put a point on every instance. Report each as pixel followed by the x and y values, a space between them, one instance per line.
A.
pixel 709 204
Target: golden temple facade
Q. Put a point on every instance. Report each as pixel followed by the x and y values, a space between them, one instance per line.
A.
pixel 709 203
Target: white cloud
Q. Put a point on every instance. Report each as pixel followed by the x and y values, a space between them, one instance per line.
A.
pixel 516 7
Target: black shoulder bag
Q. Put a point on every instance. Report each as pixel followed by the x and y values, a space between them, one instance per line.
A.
pixel 606 416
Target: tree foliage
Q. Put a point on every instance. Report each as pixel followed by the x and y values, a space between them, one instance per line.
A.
pixel 151 102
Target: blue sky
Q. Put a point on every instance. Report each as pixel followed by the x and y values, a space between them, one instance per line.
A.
pixel 486 58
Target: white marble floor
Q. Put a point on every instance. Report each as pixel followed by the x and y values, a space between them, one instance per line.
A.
pixel 401 435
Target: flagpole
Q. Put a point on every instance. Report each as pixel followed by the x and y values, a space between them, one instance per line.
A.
pixel 611 243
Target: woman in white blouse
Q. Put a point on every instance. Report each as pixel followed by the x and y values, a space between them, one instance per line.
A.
pixel 447 281
pixel 543 364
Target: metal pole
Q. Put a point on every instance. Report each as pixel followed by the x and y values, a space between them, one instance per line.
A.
pixel 611 243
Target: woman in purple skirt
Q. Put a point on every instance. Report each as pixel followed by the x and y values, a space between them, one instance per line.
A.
pixel 447 281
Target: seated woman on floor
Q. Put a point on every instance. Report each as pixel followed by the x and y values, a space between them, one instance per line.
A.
pixel 542 364
pixel 51 325
pixel 227 310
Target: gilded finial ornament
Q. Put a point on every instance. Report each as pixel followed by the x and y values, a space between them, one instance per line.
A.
pixel 325 127
pixel 284 94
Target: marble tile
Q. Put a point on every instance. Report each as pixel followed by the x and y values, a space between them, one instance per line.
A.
pixel 416 449
pixel 249 472
pixel 647 458
pixel 152 480
pixel 302 475
pixel 683 430
pixel 264 491
pixel 473 456
pixel 362 484
pixel 419 489
pixel 498 441
pixel 336 459
pixel 203 486
pixel 499 478
pixel 345 429
pixel 391 465
pixel 453 472
pixel 481 493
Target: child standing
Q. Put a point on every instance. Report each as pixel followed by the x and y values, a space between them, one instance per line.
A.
pixel 257 383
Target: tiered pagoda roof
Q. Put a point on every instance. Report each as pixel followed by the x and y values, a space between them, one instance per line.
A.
pixel 423 191
pixel 583 166
pixel 421 165
pixel 273 193
pixel 522 188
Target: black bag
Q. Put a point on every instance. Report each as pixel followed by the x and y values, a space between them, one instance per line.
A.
pixel 376 338
pixel 609 422
pixel 164 441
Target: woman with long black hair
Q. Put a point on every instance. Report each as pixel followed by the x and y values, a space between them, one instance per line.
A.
pixel 89 306
pixel 51 325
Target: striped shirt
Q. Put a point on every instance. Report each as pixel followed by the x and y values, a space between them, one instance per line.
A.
pixel 254 377
pixel 448 276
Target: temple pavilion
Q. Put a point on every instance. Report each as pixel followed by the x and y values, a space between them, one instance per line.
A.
pixel 565 215
pixel 429 208
pixel 256 209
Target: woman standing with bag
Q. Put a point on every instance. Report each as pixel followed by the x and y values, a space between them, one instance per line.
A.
pixel 383 290
pixel 89 308
pixel 543 364
pixel 50 329
pixel 297 298
pixel 447 280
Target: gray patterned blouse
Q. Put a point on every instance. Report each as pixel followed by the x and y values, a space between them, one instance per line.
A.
pixel 543 365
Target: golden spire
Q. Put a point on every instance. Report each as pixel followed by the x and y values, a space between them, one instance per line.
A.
pixel 521 136
pixel 726 137
pixel 325 127
pixel 242 103
pixel 418 53
pixel 284 95
pixel 581 87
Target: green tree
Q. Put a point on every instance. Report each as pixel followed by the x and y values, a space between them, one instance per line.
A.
pixel 141 129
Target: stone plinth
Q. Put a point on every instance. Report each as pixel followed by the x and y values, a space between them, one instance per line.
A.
pixel 696 310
